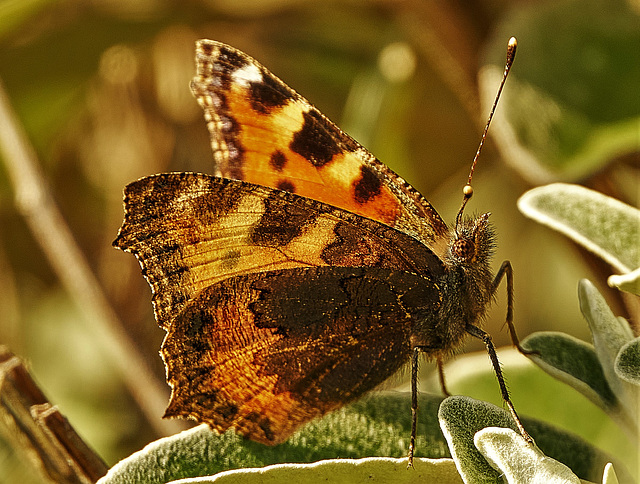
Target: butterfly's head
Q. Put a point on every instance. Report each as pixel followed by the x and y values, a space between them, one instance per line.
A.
pixel 472 242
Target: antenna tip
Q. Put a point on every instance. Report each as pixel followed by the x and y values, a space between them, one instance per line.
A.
pixel 511 50
pixel 467 191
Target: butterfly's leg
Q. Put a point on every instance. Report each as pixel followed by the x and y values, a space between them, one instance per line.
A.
pixel 491 349
pixel 414 395
pixel 507 271
pixel 443 384
pixel 414 403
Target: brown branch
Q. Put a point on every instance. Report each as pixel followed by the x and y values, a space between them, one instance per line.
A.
pixel 39 431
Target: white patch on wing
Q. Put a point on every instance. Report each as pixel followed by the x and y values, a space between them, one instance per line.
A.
pixel 246 75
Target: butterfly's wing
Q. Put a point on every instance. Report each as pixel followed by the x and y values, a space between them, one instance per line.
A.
pixel 190 231
pixel 266 352
pixel 265 133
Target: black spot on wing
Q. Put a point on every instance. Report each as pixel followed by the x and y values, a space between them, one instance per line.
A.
pixel 231 58
pixel 268 94
pixel 281 222
pixel 286 186
pixel 368 186
pixel 206 48
pixel 222 197
pixel 317 140
pixel 278 160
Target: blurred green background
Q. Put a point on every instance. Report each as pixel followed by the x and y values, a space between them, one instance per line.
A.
pixel 102 90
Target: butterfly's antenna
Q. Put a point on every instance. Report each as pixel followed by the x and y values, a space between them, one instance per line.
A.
pixel 467 191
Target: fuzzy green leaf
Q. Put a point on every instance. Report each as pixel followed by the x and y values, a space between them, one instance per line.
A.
pixel 462 417
pixel 603 225
pixel 377 425
pixel 610 334
pixel 539 395
pixel 629 282
pixel 573 362
pixel 592 369
pixel 627 364
pixel 372 469
pixel 518 461
pixel 609 476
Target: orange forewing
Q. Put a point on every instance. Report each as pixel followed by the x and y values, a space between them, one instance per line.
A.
pixel 260 132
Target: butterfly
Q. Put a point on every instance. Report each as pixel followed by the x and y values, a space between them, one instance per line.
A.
pixel 304 273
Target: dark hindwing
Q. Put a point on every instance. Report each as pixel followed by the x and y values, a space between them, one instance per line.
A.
pixel 266 352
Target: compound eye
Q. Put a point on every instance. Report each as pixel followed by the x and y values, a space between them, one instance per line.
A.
pixel 463 249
